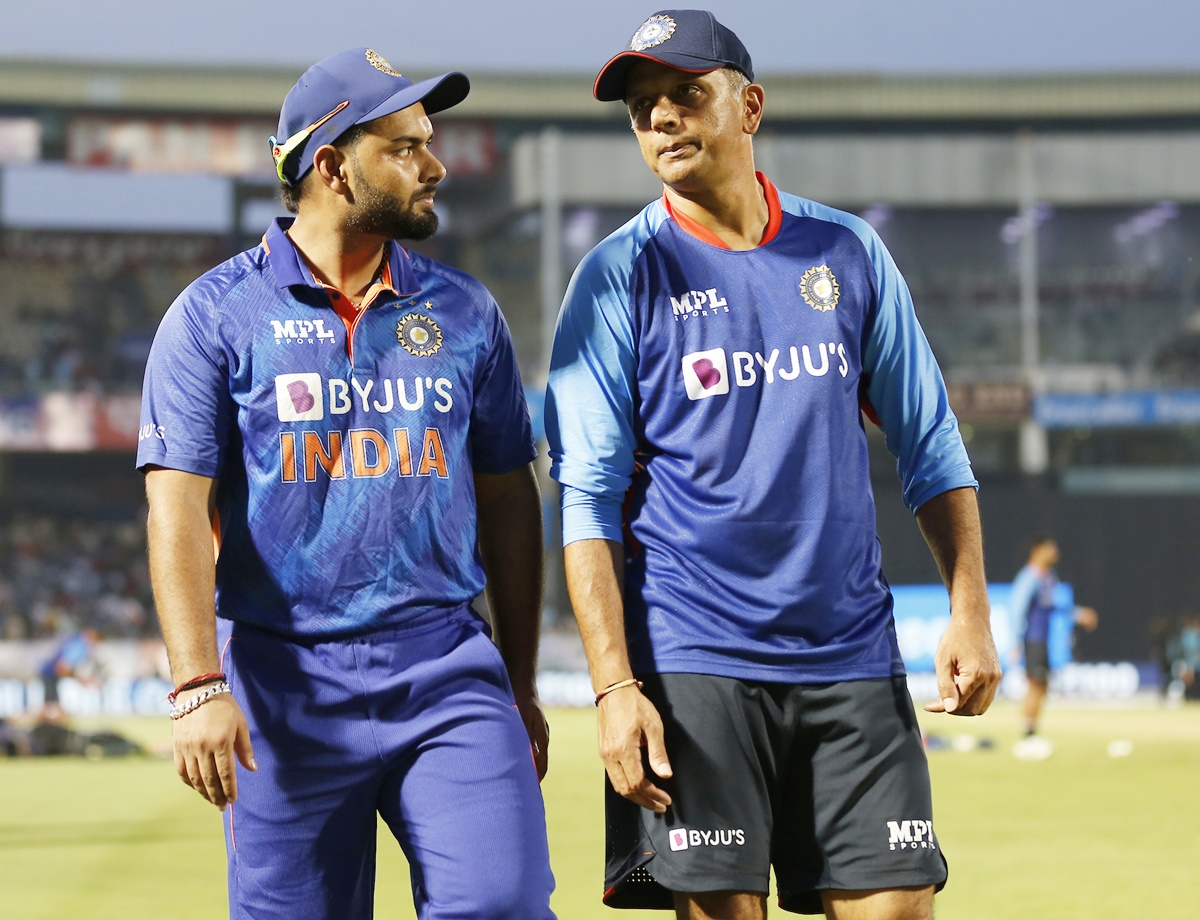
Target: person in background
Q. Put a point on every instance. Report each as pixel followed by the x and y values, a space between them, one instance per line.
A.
pixel 72 657
pixel 1032 605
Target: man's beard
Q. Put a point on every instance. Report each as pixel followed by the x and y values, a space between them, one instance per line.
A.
pixel 380 213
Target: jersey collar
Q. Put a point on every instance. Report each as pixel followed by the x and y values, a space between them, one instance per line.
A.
pixel 291 269
pixel 774 217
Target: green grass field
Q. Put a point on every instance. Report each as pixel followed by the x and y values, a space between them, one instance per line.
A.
pixel 1081 835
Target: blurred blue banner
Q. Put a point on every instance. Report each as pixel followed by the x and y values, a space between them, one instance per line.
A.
pixel 922 613
pixel 1118 410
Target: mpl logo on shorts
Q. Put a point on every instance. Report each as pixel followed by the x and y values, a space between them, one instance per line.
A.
pixel 911 835
pixel 683 838
pixel 300 397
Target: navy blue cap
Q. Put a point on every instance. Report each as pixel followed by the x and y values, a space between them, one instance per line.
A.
pixel 348 89
pixel 688 40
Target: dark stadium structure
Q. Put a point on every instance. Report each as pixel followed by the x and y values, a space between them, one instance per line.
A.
pixel 1048 226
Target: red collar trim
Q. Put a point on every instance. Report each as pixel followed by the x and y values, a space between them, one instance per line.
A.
pixel 702 233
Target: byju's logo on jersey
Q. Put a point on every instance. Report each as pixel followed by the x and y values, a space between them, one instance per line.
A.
pixel 299 397
pixel 684 838
pixel 301 330
pixel 705 373
pixel 691 304
pixel 152 431
pixel 820 289
pixel 709 373
pixel 911 835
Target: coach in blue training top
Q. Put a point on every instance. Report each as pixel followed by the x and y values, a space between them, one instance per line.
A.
pixel 712 364
pixel 346 418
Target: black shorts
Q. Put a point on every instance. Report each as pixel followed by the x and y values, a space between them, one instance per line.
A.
pixel 1037 661
pixel 826 783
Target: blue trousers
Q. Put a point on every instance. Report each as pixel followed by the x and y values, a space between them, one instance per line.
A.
pixel 415 724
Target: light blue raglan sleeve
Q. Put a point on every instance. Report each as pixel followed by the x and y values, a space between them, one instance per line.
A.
pixel 906 390
pixel 590 397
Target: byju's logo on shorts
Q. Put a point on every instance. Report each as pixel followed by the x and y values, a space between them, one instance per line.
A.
pixel 911 835
pixel 299 397
pixel 683 838
pixel 705 373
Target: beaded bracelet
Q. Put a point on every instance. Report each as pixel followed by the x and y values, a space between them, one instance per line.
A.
pixel 194 684
pixel 210 692
pixel 628 682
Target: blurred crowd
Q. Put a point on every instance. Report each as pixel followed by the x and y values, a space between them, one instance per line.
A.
pixel 80 310
pixel 59 577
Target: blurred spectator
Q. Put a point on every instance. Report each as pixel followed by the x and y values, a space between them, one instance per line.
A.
pixel 1160 634
pixel 73 657
pixel 14 740
pixel 1183 653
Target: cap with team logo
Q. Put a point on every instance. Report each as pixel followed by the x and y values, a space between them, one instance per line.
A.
pixel 348 89
pixel 688 40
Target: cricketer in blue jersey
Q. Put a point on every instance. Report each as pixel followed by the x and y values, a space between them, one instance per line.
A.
pixel 338 461
pixel 711 367
pixel 1032 603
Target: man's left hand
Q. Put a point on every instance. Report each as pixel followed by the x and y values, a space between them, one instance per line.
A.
pixel 968 668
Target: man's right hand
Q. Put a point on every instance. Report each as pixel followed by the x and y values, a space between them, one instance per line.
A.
pixel 206 741
pixel 629 724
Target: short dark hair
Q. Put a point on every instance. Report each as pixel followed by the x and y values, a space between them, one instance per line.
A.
pixel 290 195
pixel 1038 540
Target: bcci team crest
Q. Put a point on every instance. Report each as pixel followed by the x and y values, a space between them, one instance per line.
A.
pixel 654 31
pixel 820 288
pixel 377 61
pixel 419 335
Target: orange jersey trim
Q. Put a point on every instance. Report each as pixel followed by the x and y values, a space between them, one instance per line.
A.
pixel 344 307
pixel 702 233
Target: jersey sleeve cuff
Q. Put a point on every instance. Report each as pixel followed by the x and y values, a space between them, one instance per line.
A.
pixel 590 517
pixel 201 466
pixel 920 493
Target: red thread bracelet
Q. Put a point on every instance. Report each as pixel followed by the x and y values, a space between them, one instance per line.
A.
pixel 194 684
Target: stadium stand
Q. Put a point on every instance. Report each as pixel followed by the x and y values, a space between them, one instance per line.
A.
pixel 934 163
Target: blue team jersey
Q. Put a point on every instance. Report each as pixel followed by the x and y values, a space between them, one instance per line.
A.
pixel 344 449
pixel 1033 602
pixel 711 400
